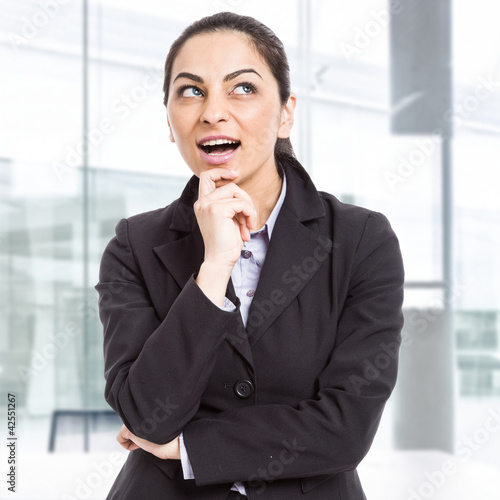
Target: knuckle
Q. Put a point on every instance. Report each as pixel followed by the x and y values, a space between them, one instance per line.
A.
pixel 199 206
pixel 211 209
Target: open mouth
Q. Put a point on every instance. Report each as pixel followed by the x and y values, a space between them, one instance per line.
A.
pixel 219 146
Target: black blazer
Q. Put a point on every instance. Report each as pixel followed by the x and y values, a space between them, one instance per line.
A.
pixel 288 405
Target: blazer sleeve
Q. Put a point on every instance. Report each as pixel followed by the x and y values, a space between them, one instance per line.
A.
pixel 332 432
pixel 155 371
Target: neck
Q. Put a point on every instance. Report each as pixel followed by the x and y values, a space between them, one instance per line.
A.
pixel 264 191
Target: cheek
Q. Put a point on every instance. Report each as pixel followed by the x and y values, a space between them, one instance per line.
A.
pixel 261 126
pixel 180 121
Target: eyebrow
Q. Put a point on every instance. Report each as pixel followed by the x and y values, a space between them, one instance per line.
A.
pixel 227 78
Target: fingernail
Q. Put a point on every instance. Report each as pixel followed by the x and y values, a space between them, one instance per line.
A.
pixel 233 171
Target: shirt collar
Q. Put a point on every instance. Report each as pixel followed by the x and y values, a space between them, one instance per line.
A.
pixel 271 220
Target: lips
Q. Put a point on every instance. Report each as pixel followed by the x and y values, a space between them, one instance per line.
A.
pixel 218 149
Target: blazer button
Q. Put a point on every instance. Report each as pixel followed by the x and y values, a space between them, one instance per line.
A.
pixel 244 388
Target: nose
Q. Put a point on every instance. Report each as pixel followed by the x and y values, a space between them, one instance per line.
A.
pixel 214 110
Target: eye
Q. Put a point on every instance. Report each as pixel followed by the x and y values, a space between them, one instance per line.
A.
pixel 189 91
pixel 245 88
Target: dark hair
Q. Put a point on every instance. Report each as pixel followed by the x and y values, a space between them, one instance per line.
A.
pixel 263 40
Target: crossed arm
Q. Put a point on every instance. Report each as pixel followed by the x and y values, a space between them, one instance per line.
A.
pixel 131 442
pixel 174 362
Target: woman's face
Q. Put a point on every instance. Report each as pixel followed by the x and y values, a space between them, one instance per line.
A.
pixel 222 90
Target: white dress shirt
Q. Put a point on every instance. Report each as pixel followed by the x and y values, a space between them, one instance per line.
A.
pixel 245 276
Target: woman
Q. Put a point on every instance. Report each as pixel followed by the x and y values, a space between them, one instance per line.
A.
pixel 228 389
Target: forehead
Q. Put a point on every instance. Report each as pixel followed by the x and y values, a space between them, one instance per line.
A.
pixel 218 54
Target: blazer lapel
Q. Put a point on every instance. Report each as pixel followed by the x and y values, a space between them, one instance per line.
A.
pixel 183 255
pixel 292 245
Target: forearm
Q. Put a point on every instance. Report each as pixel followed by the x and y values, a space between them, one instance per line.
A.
pixel 326 435
pixel 155 369
pixel 261 436
pixel 159 391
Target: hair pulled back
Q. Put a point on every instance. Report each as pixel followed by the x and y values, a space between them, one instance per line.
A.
pixel 267 44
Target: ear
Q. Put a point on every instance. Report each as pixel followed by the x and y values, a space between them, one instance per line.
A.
pixel 287 117
pixel 171 134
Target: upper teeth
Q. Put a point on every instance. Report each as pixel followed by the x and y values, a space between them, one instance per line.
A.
pixel 218 141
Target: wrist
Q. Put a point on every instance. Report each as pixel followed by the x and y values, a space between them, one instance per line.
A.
pixel 168 451
pixel 175 450
pixel 213 279
pixel 221 271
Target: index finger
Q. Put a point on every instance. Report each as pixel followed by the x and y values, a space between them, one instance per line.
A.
pixel 211 176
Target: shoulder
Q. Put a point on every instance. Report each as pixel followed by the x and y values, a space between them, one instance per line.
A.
pixel 152 218
pixel 361 235
pixel 365 247
pixel 147 229
pixel 344 219
pixel 353 220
